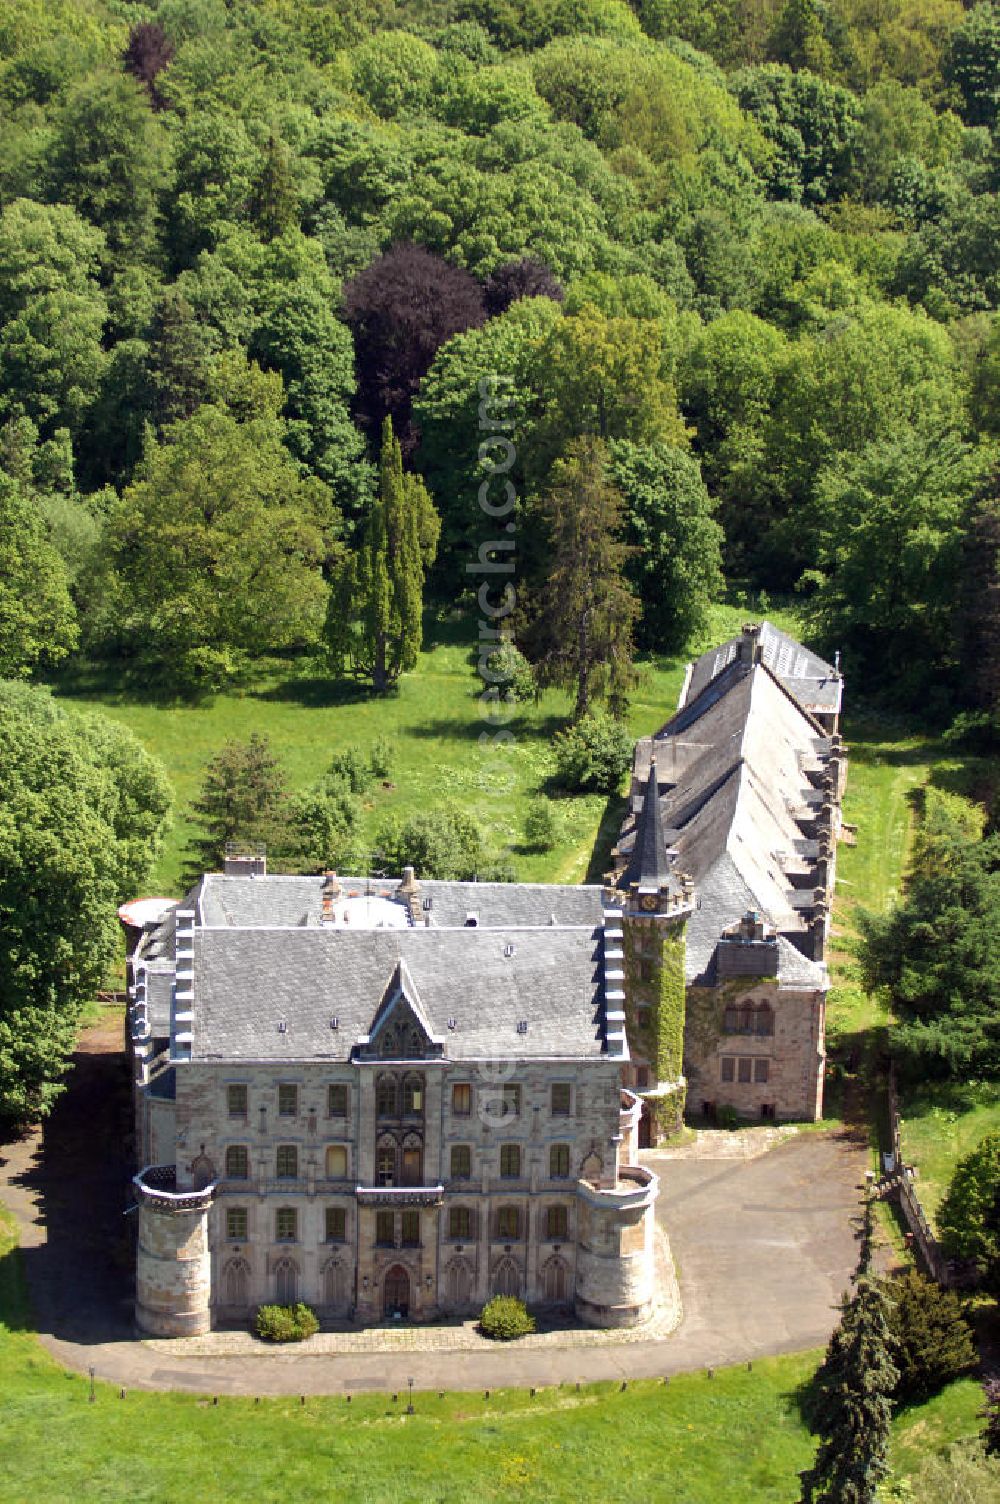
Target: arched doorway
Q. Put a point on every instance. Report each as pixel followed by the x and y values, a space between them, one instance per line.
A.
pixel 555 1281
pixel 396 1292
pixel 506 1278
pixel 286 1282
pixel 335 1286
pixel 237 1282
pixel 459 1283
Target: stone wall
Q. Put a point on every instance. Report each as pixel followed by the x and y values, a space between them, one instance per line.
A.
pixel 173 1275
pixel 795 1052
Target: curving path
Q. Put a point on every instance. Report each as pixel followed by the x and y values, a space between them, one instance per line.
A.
pixel 763 1248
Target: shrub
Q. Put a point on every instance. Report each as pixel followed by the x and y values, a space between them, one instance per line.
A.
pixel 505 1318
pixel 931 1339
pixel 727 1117
pixel 540 825
pixel 594 755
pixel 286 1323
pixel 508 671
pixel 352 767
pixel 381 757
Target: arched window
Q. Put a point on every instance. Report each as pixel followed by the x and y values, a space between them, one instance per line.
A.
pixel 237 1162
pixel 732 1019
pixel 745 1019
pixel 413 1159
pixel 336 1162
pixel 385 1161
pixel 506 1278
pixel 413 1096
pixel 202 1171
pixel 286 1282
pixel 559 1161
pixel 385 1096
pixel 237 1282
pixel 765 1019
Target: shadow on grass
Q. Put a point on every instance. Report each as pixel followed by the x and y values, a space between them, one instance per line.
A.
pixel 607 835
pixel 520 726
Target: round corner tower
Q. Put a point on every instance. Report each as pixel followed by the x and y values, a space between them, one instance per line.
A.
pixel 615 1257
pixel 173 1265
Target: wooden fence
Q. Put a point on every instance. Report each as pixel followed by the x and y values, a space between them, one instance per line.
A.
pixel 898 1182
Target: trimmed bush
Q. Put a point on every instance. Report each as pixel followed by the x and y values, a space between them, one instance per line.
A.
pixel 539 826
pixel 931 1339
pixel 286 1323
pixel 507 670
pixel 593 756
pixel 505 1318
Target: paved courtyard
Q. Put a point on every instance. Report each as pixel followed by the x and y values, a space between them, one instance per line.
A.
pixel 761 1227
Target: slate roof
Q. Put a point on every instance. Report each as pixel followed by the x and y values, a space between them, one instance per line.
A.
pixel 816 685
pixel 739 759
pixel 247 981
pixel 297 901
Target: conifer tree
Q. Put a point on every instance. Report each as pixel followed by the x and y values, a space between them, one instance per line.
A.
pixel 854 1386
pixel 242 799
pixel 583 633
pixel 374 624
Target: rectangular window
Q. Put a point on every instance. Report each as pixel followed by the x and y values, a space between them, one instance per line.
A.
pixel 559 1161
pixel 561 1098
pixel 728 1068
pixel 286 1224
pixel 288 1100
pixel 336 1224
pixel 411 1229
pixel 460 1223
pixel 510 1161
pixel 556 1223
pixel 237 1162
pixel 461 1099
pixel 236 1223
pixel 336 1100
pixel 287 1162
pixel 744 1069
pixel 413 1166
pixel 508 1223
pixel 385 1229
pixel 336 1162
pixel 461 1162
pixel 385 1165
pixel 236 1099
pixel 642 1077
pixel 511 1101
pixel 760 1072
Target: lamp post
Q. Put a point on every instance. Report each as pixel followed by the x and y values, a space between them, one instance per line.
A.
pixel 409 1409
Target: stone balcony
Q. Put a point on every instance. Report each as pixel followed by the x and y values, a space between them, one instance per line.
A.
pixel 157 1186
pixel 399 1195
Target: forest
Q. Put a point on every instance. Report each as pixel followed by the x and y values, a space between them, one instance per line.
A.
pixel 730 272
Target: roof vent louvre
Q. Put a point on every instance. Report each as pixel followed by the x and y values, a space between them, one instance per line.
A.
pixel 453 1023
pixel 508 949
pixel 282 1026
pixel 522 1026
pixel 335 1022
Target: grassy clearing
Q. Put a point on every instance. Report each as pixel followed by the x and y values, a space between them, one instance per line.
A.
pixel 943 1121
pixel 730 1439
pixel 435 721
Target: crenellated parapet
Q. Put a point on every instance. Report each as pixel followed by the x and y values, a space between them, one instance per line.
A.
pixel 173 1266
pixel 615 1258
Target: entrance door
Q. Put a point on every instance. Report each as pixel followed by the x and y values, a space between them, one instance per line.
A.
pixel 645 1134
pixel 396 1292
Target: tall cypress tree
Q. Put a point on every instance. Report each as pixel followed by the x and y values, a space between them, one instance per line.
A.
pixel 853 1407
pixel 374 624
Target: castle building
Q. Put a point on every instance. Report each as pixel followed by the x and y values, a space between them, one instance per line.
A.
pixel 398 1097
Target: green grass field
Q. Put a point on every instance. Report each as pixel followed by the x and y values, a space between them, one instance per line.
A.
pixel 435 722
pixel 727 1440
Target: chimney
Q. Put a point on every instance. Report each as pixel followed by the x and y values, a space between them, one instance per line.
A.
pixel 329 894
pixel 750 650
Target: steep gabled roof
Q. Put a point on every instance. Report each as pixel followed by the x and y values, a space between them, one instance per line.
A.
pixel 815 684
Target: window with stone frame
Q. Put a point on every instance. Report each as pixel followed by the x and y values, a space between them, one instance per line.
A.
pixel 412 1160
pixel 461 1161
pixel 744 1069
pixel 236 1223
pixel 562 1099
pixel 410 1229
pixel 336 1161
pixel 336 1224
pixel 287 1162
pixel 385 1163
pixel 385 1229
pixel 728 1068
pixel 760 1072
pixel 642 1077
pixel 559 1162
pixel 461 1099
pixel 337 1100
pixel 237 1162
pixel 237 1100
pixel 288 1100
pixel 413 1096
pixel 556 1223
pixel 386 1096
pixel 765 1020
pixel 511 1100
pixel 286 1224
pixel 508 1223
pixel 460 1223
pixel 510 1161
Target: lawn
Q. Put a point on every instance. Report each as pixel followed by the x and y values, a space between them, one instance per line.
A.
pixel 435 721
pixel 941 1122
